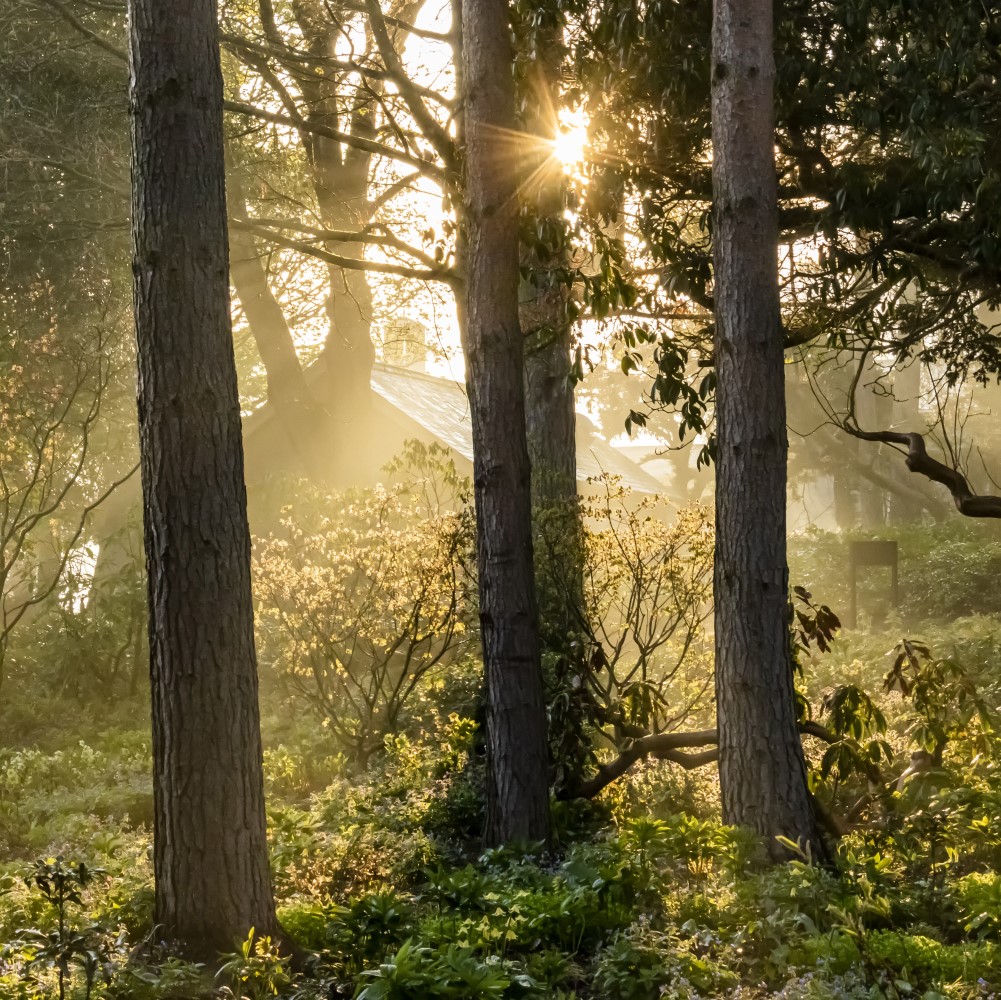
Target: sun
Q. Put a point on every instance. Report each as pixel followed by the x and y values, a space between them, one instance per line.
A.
pixel 569 146
pixel 571 140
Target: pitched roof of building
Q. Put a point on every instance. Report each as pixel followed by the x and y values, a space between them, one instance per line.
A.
pixel 440 406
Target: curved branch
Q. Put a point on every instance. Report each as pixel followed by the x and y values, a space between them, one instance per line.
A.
pixel 833 446
pixel 669 746
pixel 663 746
pixel 918 460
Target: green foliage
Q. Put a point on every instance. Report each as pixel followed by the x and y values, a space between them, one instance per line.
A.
pixel 63 946
pixel 645 964
pixel 357 608
pixel 667 906
pixel 637 659
pixel 379 876
pixel 257 970
pixel 944 695
pixel 171 978
pixel 91 644
pixel 895 959
pixel 947 570
pixel 979 903
pixel 415 972
pixel 78 787
pixel 853 717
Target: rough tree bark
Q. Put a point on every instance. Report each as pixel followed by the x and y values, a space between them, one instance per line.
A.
pixel 518 787
pixel 551 416
pixel 762 770
pixel 210 851
pixel 550 412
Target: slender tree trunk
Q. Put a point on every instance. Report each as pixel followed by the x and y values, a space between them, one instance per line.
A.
pixel 340 181
pixel 762 770
pixel 846 483
pixel 210 851
pixel 549 404
pixel 348 350
pixel 874 409
pixel 551 417
pixel 518 792
pixel 302 419
pixel 287 387
pixel 550 414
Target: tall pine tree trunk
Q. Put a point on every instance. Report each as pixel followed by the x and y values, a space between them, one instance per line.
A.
pixel 762 771
pixel 551 417
pixel 518 773
pixel 550 411
pixel 210 852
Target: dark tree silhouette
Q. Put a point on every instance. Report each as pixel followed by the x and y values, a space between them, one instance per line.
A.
pixel 210 853
pixel 518 803
pixel 762 770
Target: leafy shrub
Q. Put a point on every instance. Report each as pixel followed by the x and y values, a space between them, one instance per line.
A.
pixel 63 946
pixel 166 980
pixel 51 796
pixel 947 570
pixel 979 898
pixel 415 972
pixel 647 585
pixel 356 608
pixel 257 970
pixel 91 644
pixel 646 964
pixel 307 923
pixel 901 955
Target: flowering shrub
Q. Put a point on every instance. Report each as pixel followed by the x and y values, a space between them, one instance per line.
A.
pixel 648 593
pixel 357 608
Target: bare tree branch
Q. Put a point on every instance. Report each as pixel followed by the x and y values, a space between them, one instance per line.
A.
pixel 298 123
pixel 918 460
pixel 351 263
pixel 664 746
pixel 368 236
pixel 428 124
pixel 98 39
